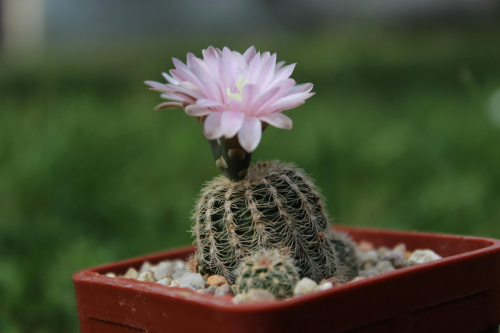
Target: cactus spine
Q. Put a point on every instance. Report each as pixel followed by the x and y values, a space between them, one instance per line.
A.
pixel 276 206
pixel 271 270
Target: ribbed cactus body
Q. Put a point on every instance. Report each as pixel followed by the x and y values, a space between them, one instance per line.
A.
pixel 276 206
pixel 270 270
pixel 348 264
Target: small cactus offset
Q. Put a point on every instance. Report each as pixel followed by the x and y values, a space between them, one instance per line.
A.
pixel 348 263
pixel 275 206
pixel 271 270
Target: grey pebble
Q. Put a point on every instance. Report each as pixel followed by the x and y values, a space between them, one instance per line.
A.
pixel 192 280
pixel 163 270
pixel 368 273
pixel 384 266
pixel 223 290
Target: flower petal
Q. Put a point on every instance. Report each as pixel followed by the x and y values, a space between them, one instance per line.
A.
pixel 207 103
pixel 197 111
pixel 249 54
pixel 249 94
pixel 212 126
pixel 250 134
pixel 280 64
pixel 170 79
pixel 175 97
pixel 290 102
pixel 283 73
pixel 265 104
pixel 278 120
pixel 231 122
pixel 300 88
pixel 183 89
pixel 168 105
pixel 157 86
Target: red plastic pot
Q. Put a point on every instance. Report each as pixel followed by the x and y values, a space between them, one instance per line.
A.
pixel 459 293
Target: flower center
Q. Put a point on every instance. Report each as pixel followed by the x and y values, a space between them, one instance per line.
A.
pixel 237 95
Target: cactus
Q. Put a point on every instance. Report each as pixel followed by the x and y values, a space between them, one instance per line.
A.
pixel 272 270
pixel 275 206
pixel 348 263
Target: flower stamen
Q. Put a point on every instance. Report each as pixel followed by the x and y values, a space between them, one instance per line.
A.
pixel 240 83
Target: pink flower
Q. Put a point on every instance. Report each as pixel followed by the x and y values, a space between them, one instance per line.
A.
pixel 233 93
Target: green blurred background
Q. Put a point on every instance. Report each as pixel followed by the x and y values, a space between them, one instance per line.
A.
pixel 403 133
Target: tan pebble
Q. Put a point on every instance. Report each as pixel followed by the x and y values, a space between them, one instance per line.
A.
pixel 368 265
pixel 175 283
pixel 131 273
pixel 423 256
pixel 147 276
pixel 111 274
pixel 216 280
pixel 304 286
pixel 333 280
pixel 165 281
pixel 401 247
pixel 146 266
pixel 407 254
pixel 325 286
pixel 239 299
pixel 358 278
pixel 366 246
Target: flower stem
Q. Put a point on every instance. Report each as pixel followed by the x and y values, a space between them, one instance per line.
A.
pixel 230 158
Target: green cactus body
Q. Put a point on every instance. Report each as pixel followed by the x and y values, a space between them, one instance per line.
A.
pixel 276 206
pixel 348 264
pixel 271 270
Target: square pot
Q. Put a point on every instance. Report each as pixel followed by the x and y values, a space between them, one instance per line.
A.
pixel 459 293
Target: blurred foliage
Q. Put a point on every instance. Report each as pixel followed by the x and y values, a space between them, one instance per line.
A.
pixel 397 137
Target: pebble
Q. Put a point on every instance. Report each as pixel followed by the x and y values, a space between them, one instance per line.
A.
pixel 178 274
pixel 368 259
pixel 333 280
pixel 192 280
pixel 401 247
pixel 223 290
pixel 423 256
pixel 175 283
pixel 254 296
pixel 368 273
pixel 110 274
pixel 305 286
pixel 165 281
pixel 382 251
pixel 146 266
pixel 179 265
pixel 146 276
pixel 384 266
pixel 357 278
pixel 211 289
pixel 325 286
pixel 397 258
pixel 165 269
pixel 131 273
pixel 216 280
